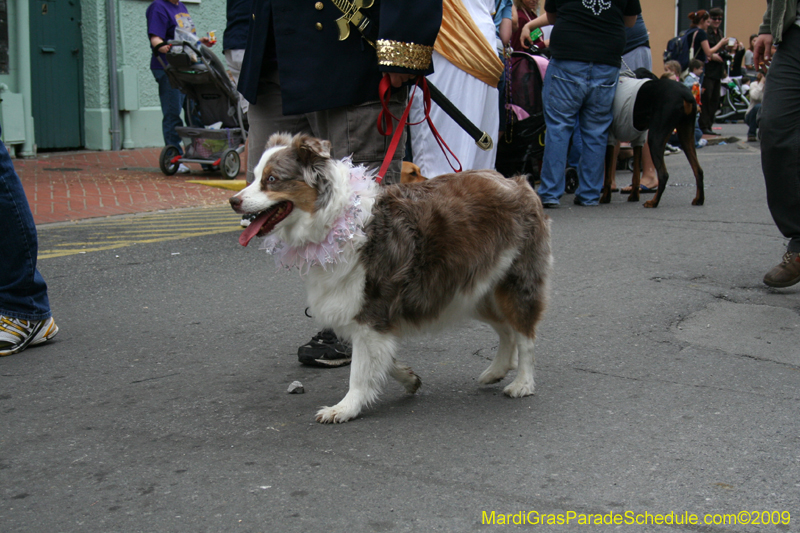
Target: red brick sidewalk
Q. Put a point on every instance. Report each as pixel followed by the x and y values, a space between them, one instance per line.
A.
pixel 75 185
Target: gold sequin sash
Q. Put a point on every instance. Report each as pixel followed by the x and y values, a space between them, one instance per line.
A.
pixel 462 43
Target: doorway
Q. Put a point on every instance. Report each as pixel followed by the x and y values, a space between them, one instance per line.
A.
pixel 57 74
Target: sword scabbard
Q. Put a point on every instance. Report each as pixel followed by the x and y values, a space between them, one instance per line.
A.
pixel 485 142
pixel 357 18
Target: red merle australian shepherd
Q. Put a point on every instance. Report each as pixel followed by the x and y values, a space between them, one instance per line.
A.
pixel 381 262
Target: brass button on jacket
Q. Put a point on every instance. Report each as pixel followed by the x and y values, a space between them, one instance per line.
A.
pixel 318 25
pixel 318 6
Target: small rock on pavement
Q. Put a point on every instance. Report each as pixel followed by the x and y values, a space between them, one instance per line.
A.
pixel 296 388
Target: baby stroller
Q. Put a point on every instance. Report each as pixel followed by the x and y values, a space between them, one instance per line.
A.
pixel 521 149
pixel 734 102
pixel 216 132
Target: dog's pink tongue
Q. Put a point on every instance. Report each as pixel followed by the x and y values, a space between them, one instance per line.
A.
pixel 254 227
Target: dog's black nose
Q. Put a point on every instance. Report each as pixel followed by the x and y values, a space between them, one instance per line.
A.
pixel 235 202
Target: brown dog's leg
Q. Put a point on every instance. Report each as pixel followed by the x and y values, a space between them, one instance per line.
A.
pixel 686 135
pixel 611 169
pixel 658 144
pixel 637 174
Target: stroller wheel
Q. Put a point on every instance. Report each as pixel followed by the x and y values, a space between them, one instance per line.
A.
pixel 165 161
pixel 229 163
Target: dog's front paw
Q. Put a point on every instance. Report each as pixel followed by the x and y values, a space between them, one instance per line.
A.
pixel 518 390
pixel 491 375
pixel 335 415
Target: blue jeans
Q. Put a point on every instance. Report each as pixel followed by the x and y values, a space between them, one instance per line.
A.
pixel 584 92
pixel 171 106
pixel 23 292
pixel 574 154
pixel 751 119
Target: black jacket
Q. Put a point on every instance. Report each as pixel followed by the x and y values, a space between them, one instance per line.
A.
pixel 715 69
pixel 318 71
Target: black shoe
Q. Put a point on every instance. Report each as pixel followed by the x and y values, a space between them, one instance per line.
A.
pixel 325 350
pixel 707 131
pixel 550 205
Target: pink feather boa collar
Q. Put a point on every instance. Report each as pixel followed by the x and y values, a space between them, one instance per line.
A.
pixel 344 230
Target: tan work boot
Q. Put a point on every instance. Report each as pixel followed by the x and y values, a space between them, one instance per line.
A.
pixel 787 273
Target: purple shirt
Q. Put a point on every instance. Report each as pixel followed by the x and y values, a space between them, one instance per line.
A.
pixel 162 18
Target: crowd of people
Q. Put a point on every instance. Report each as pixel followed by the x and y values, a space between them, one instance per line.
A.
pixel 296 78
pixel 722 59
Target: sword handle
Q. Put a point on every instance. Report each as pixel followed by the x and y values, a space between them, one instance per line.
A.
pixel 344 27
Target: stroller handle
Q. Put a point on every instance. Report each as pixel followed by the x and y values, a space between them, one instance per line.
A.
pixel 209 59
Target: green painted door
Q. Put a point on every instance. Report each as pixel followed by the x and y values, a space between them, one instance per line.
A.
pixel 57 73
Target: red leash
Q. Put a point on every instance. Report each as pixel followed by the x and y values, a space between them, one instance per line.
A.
pixel 385 125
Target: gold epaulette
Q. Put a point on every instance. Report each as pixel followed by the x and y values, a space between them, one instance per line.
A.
pixel 406 55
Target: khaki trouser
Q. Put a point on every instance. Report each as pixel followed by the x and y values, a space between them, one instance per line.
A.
pixel 352 130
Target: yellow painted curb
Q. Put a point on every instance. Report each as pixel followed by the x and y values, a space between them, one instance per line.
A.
pixel 233 185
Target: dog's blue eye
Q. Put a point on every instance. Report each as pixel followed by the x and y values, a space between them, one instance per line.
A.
pixel 271 178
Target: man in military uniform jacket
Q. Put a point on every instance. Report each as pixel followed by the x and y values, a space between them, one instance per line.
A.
pixel 317 70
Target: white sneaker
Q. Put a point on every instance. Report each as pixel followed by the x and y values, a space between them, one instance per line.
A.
pixel 17 334
pixel 183 169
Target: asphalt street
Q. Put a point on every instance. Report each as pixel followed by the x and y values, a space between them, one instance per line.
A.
pixel 667 384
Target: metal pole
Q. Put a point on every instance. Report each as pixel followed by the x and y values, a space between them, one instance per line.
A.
pixel 111 25
pixel 127 130
pixel 25 84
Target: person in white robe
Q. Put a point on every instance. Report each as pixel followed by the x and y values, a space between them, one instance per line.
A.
pixel 466 71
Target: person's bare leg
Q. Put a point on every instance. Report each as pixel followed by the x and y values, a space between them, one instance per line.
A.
pixel 649 174
pixel 614 170
pixel 649 177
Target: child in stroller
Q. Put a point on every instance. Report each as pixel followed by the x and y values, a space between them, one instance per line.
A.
pixel 216 132
pixel 520 148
